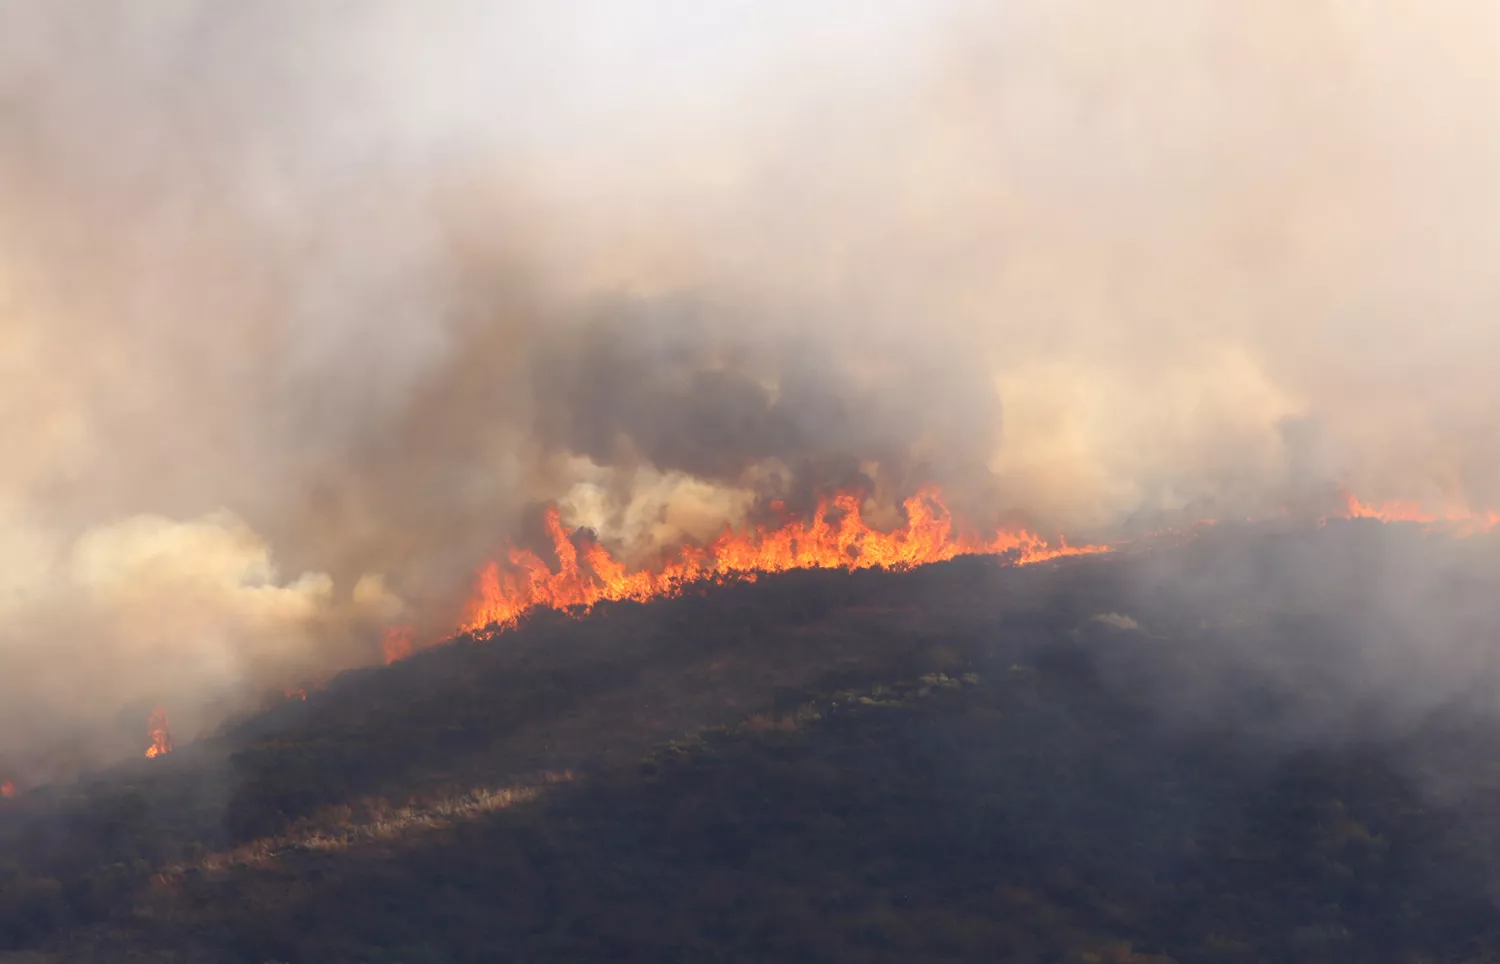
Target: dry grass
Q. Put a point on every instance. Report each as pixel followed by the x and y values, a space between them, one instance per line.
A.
pixel 336 828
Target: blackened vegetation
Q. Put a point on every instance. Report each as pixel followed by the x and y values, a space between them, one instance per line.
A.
pixel 959 763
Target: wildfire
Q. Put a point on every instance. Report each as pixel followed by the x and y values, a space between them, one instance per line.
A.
pixel 397 644
pixel 1406 511
pixel 836 537
pixel 844 542
pixel 7 789
pixel 161 737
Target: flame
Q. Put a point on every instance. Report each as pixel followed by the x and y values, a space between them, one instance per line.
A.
pixel 297 694
pixel 7 789
pixel 836 537
pixel 161 737
pixel 397 643
pixel 844 542
pixel 1464 519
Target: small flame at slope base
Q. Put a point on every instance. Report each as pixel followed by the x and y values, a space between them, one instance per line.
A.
pixel 160 735
pixel 927 536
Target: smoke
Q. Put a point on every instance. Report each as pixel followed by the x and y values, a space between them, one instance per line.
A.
pixel 148 607
pixel 303 309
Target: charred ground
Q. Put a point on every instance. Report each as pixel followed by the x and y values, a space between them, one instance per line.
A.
pixel 1192 754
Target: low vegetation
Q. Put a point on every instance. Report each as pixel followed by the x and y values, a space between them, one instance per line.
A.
pixel 954 764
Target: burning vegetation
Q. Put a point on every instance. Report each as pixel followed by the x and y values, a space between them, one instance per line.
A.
pixel 159 734
pixel 806 729
pixel 994 263
pixel 1461 519
pixel 836 537
pixel 397 643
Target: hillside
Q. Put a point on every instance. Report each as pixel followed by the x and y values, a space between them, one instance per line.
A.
pixel 1186 755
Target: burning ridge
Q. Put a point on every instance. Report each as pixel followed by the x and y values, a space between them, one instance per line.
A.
pixel 1462 520
pixel 836 537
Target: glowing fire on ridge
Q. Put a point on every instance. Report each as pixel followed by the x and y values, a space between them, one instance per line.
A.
pixel 504 595
pixel 7 789
pixel 161 737
pixel 1408 511
pixel 846 542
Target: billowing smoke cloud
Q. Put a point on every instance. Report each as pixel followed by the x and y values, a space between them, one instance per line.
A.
pixel 150 609
pixel 303 308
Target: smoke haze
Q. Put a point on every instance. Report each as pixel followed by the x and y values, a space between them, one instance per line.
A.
pixel 305 308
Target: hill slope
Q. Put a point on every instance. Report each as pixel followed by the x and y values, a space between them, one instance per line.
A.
pixel 1086 762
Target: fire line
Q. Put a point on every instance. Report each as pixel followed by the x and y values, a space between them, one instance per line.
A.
pixel 836 537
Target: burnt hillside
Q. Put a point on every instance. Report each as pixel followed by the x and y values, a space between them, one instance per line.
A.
pixel 1263 745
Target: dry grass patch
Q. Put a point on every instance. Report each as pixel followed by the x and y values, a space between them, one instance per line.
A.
pixel 337 828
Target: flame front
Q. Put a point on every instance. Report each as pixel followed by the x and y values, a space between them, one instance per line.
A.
pixel 160 735
pixel 836 537
pixel 846 542
pixel 1463 519
pixel 7 789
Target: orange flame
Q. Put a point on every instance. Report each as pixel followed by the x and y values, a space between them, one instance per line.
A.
pixel 161 737
pixel 505 594
pixel 7 789
pixel 297 694
pixel 927 536
pixel 1409 511
pixel 397 643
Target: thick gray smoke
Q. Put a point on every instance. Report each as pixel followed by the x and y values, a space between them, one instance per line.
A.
pixel 305 307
